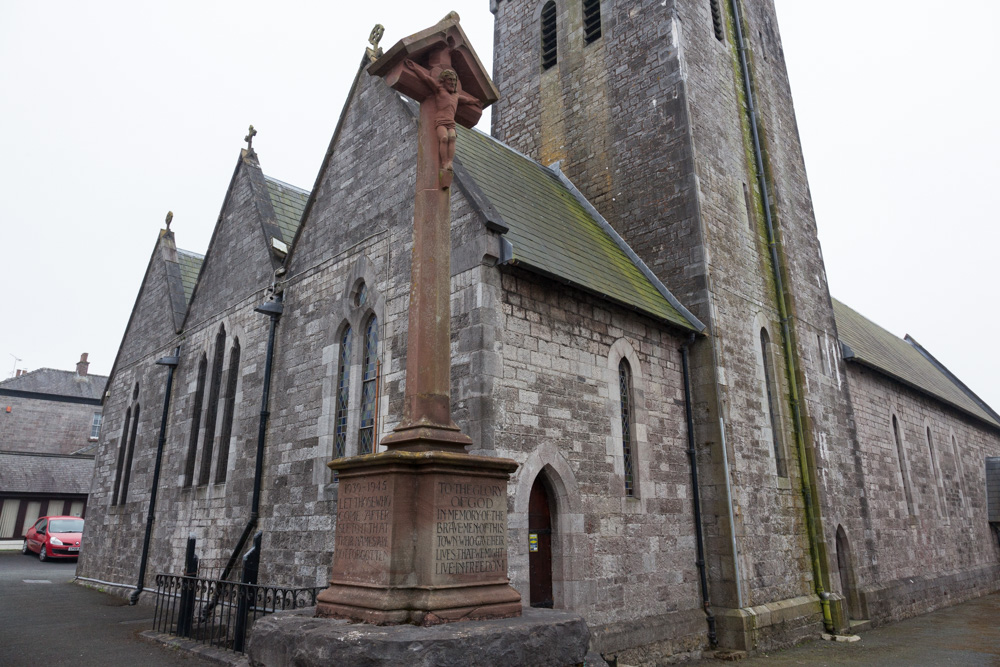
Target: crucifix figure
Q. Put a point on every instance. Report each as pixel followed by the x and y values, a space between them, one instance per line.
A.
pixel 444 90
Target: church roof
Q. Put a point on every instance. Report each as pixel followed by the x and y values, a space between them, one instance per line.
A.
pixel 190 264
pixel 288 202
pixel 867 343
pixel 552 229
pixel 57 383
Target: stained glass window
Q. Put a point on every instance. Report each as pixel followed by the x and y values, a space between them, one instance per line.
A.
pixel 361 298
pixel 625 390
pixel 366 434
pixel 343 395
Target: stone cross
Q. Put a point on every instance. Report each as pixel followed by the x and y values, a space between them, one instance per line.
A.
pixel 249 138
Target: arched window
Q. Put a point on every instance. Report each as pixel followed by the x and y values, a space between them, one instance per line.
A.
pixel 628 431
pixel 959 471
pixel 902 466
pixel 591 20
pixel 548 22
pixel 121 455
pixel 127 472
pixel 936 477
pixel 369 372
pixel 772 392
pixel 222 465
pixel 199 398
pixel 213 406
pixel 343 395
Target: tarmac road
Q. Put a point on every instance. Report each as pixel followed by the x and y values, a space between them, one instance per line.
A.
pixel 45 619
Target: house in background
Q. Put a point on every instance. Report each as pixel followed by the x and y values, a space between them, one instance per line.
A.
pixel 50 421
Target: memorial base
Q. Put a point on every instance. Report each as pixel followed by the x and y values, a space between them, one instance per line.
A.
pixel 540 637
pixel 421 539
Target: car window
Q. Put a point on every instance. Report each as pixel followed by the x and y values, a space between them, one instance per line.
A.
pixel 40 526
pixel 66 525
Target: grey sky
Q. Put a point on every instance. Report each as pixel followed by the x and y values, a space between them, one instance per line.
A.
pixel 115 112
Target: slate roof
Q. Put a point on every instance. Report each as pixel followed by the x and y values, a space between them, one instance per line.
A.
pixel 869 344
pixel 190 265
pixel 288 202
pixel 45 473
pixel 61 383
pixel 553 230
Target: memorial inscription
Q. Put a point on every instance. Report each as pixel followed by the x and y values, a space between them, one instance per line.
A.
pixel 470 529
pixel 363 516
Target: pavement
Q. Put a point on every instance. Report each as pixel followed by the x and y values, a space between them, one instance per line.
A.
pixel 47 619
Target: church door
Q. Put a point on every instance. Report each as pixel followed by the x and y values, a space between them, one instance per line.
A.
pixel 540 545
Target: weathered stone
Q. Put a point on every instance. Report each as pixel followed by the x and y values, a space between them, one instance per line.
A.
pixel 538 638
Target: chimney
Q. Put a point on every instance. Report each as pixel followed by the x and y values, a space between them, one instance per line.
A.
pixel 81 368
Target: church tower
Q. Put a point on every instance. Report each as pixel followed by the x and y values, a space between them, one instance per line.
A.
pixel 675 119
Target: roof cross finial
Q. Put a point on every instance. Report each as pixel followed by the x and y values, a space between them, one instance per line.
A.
pixel 170 216
pixel 374 52
pixel 249 138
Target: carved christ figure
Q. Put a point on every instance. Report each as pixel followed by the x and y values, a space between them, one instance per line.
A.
pixel 446 98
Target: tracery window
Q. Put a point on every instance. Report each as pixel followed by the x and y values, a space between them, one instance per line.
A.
pixel 366 433
pixel 548 24
pixel 628 432
pixel 343 394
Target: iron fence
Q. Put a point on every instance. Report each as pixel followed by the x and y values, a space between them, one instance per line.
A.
pixel 220 613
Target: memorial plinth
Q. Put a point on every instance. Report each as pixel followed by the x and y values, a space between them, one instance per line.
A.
pixel 422 527
pixel 421 538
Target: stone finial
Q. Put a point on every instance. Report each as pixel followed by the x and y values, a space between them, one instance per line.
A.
pixel 249 138
pixel 374 52
pixel 170 217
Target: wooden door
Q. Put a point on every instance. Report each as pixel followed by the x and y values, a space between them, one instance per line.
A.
pixel 540 545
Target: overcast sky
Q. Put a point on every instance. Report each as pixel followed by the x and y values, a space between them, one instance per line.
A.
pixel 113 113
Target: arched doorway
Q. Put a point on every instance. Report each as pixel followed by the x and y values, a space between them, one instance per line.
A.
pixel 540 543
pixel 847 583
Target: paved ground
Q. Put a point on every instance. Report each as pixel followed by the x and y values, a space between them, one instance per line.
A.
pixel 966 634
pixel 45 619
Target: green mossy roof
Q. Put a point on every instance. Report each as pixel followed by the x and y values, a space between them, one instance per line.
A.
pixel 288 202
pixel 190 264
pixel 877 348
pixel 552 232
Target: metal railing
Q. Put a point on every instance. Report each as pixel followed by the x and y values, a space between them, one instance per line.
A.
pixel 218 612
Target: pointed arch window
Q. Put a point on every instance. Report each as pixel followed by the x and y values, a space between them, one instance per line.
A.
pixel 121 455
pixel 936 477
pixel 772 408
pixel 366 433
pixel 228 412
pixel 591 20
pixel 212 414
pixel 199 398
pixel 548 25
pixel 343 395
pixel 901 454
pixel 628 431
pixel 127 472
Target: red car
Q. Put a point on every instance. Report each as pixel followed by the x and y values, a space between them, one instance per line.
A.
pixel 54 537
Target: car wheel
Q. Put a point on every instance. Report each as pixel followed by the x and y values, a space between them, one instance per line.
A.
pixel 24 546
pixel 41 554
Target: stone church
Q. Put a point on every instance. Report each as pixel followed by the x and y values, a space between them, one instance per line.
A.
pixel 711 449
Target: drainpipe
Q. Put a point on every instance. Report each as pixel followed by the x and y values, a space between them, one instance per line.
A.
pixel 171 363
pixel 272 308
pixel 786 336
pixel 695 492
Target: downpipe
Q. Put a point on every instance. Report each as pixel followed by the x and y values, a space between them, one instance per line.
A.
pixel 696 493
pixel 171 363
pixel 807 490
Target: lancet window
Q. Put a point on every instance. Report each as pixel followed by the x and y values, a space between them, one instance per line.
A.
pixel 366 434
pixel 548 24
pixel 228 412
pixel 213 407
pixel 199 398
pixel 628 431
pixel 343 394
pixel 772 408
pixel 591 20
